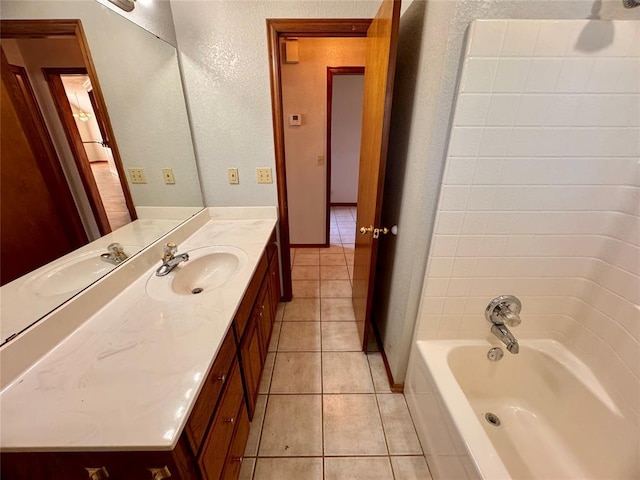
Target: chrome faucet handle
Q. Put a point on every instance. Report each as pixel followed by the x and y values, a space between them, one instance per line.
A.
pixel 170 249
pixel 504 309
pixel 115 249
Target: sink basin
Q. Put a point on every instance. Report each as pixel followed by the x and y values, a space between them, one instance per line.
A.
pixel 207 269
pixel 72 275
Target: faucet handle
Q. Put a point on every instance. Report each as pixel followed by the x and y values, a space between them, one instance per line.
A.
pixel 170 249
pixel 115 248
pixel 504 309
pixel 511 318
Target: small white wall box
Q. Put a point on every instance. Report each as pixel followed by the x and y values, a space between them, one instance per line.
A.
pixel 295 119
pixel 291 50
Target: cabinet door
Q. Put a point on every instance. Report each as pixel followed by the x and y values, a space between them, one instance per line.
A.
pixel 252 362
pixel 238 444
pixel 264 314
pixel 274 283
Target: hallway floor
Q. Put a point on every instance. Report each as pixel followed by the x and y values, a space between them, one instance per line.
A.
pixel 111 194
pixel 325 410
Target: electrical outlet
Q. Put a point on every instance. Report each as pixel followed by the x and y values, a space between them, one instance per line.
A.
pixel 167 174
pixel 233 176
pixel 264 175
pixel 320 159
pixel 137 175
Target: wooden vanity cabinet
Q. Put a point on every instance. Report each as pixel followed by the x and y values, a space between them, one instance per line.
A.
pixel 212 443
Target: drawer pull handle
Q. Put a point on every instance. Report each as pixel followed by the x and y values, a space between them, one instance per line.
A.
pixel 221 378
pixel 230 420
pixel 160 473
pixel 97 473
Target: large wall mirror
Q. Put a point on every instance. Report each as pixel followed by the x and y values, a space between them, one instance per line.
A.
pixel 108 99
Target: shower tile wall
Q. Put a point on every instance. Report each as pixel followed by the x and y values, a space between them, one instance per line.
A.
pixel 541 192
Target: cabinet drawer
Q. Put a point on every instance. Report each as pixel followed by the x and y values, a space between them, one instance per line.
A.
pixel 208 398
pixel 246 306
pixel 216 445
pixel 238 445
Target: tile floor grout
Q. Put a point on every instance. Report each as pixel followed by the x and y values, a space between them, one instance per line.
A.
pixel 268 464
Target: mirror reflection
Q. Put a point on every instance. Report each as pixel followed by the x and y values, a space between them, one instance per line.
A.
pixel 84 116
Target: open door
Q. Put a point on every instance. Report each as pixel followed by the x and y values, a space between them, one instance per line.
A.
pixel 376 116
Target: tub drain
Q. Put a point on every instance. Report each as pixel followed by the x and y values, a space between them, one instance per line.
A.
pixel 196 290
pixel 492 418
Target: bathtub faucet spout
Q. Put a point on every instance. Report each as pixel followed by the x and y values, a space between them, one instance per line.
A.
pixel 506 337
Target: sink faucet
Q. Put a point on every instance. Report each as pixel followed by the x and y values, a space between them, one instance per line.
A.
pixel 170 260
pixel 501 310
pixel 116 254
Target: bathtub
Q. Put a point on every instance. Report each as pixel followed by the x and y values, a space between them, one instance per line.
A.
pixel 556 420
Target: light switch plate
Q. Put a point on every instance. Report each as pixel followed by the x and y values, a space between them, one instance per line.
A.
pixel 232 173
pixel 137 175
pixel 264 175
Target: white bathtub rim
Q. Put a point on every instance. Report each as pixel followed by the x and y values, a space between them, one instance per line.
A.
pixel 479 447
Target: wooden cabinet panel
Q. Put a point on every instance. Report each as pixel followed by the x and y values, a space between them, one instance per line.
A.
pixel 274 283
pixel 210 394
pixel 216 444
pixel 236 450
pixel 246 306
pixel 252 363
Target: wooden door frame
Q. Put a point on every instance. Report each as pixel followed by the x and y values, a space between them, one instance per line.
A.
pixel 46 155
pixel 80 157
pixel 331 72
pixel 20 29
pixel 276 29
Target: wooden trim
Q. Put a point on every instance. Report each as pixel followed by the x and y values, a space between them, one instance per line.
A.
pixel 344 204
pixel 52 76
pixel 277 28
pixel 47 157
pixel 106 121
pixel 331 72
pixel 310 245
pixel 38 28
pixel 395 387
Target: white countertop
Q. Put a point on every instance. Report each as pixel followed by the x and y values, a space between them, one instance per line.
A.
pixel 128 377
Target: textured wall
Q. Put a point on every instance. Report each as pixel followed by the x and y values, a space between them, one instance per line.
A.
pixel 540 196
pixel 223 49
pixel 304 91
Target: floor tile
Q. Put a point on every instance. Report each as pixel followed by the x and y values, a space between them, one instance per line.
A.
pixel 306 288
pixel 246 471
pixel 335 288
pixel 378 372
pixel 275 336
pixel 349 257
pixel 336 309
pixel 302 309
pixel 340 336
pixel 267 372
pixel 410 468
pixel 305 272
pixel 352 426
pixel 357 468
pixel 280 311
pixel 299 337
pixel 292 426
pixel 333 249
pixel 306 259
pixel 346 372
pixel 251 450
pixel 288 469
pixel 333 259
pixel 398 427
pixel 334 272
pixel 308 250
pixel 297 373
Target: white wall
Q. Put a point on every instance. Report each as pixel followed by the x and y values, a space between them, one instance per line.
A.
pixel 346 128
pixel 304 91
pixel 430 46
pixel 224 54
pixel 541 193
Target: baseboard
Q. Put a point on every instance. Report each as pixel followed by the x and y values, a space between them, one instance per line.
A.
pixel 343 204
pixel 395 387
pixel 309 245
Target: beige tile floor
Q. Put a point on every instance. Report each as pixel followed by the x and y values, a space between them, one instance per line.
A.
pixel 325 410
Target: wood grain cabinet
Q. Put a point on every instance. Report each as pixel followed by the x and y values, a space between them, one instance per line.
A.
pixel 212 443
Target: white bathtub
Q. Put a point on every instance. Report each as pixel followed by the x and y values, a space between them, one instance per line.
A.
pixel 557 421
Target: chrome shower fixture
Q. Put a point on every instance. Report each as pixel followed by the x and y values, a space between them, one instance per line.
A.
pixel 630 3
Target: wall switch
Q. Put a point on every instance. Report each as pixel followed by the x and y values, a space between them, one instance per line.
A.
pixel 264 175
pixel 137 175
pixel 233 176
pixel 167 174
pixel 320 159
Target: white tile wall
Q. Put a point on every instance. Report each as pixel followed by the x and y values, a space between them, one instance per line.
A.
pixel 541 192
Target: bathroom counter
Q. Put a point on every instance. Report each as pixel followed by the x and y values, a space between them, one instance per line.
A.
pixel 128 377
